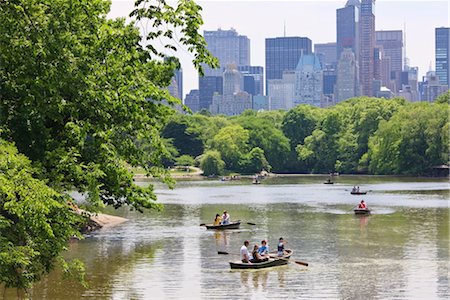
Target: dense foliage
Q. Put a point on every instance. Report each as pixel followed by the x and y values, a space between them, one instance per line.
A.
pixel 83 97
pixel 360 135
pixel 35 221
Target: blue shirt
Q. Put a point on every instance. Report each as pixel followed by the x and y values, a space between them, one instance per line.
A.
pixel 263 249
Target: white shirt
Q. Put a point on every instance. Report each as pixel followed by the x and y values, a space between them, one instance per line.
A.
pixel 244 253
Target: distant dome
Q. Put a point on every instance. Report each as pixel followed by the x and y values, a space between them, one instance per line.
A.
pixel 353 3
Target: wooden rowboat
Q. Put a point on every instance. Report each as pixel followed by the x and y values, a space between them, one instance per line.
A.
pixel 361 211
pixel 272 262
pixel 232 225
pixel 358 193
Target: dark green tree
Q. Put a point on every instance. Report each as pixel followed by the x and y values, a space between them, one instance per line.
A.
pixel 211 163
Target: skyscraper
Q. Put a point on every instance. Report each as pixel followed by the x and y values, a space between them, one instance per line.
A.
pixel 253 77
pixel 347 28
pixel 308 81
pixel 442 40
pixel 367 44
pixel 347 81
pixel 230 48
pixel 391 43
pixel 283 54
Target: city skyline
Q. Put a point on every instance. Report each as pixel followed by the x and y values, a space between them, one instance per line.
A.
pixel 315 20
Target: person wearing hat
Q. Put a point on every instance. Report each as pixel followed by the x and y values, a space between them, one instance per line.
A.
pixel 225 218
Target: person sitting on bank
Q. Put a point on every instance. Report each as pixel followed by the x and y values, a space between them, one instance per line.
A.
pixel 280 247
pixel 256 257
pixel 225 218
pixel 264 249
pixel 217 220
pixel 245 255
pixel 362 205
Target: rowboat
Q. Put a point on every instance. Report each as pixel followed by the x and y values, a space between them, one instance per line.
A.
pixel 328 182
pixel 358 193
pixel 272 262
pixel 361 211
pixel 232 225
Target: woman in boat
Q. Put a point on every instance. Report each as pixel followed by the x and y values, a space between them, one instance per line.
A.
pixel 225 218
pixel 256 256
pixel 362 205
pixel 217 220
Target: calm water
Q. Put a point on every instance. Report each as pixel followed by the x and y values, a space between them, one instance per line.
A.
pixel 401 251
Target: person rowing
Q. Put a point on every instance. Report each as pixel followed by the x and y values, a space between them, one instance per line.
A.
pixel 362 205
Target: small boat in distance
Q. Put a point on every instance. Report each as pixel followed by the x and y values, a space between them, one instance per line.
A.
pixel 272 262
pixel 358 193
pixel 232 225
pixel 328 181
pixel 361 211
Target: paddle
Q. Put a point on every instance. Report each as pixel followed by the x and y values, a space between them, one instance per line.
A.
pixel 250 223
pixel 296 261
pixel 203 224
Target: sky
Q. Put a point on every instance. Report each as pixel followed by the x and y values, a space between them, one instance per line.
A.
pixel 315 19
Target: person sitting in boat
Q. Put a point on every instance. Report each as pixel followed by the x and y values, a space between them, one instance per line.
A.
pixel 245 255
pixel 225 218
pixel 256 257
pixel 280 247
pixel 217 220
pixel 362 205
pixel 264 249
pixel 354 189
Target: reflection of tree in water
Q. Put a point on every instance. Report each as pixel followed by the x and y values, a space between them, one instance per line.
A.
pixel 102 266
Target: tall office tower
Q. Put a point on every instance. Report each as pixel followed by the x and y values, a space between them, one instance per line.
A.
pixel 442 36
pixel 283 54
pixel 347 80
pixel 327 54
pixel 253 77
pixel 192 100
pixel 230 48
pixel 347 28
pixel 308 81
pixel 409 89
pixel 392 43
pixel 366 48
pixel 281 91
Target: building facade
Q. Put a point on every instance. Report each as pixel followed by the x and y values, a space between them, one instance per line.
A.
pixel 327 54
pixel 283 54
pixel 281 91
pixel 192 100
pixel 253 78
pixel 366 46
pixel 347 80
pixel 308 81
pixel 442 53
pixel 347 28
pixel 391 44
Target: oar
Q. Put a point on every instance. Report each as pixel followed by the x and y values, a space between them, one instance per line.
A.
pixel 226 253
pixel 250 223
pixel 203 224
pixel 296 261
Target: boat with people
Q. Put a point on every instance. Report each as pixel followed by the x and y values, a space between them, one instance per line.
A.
pixel 231 225
pixel 273 261
pixel 328 182
pixel 358 193
pixel 361 211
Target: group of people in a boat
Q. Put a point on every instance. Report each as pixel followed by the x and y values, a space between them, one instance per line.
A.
pixel 222 220
pixel 260 253
pixel 355 189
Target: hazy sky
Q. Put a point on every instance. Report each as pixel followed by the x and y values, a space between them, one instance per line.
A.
pixel 315 19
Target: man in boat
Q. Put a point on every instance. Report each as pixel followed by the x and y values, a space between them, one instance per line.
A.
pixel 280 247
pixel 225 218
pixel 362 205
pixel 245 255
pixel 264 249
pixel 354 189
pixel 217 220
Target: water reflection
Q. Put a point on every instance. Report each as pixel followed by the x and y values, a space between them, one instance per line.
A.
pixel 399 252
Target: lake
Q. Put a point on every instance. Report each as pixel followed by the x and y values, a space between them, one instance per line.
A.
pixel 400 251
